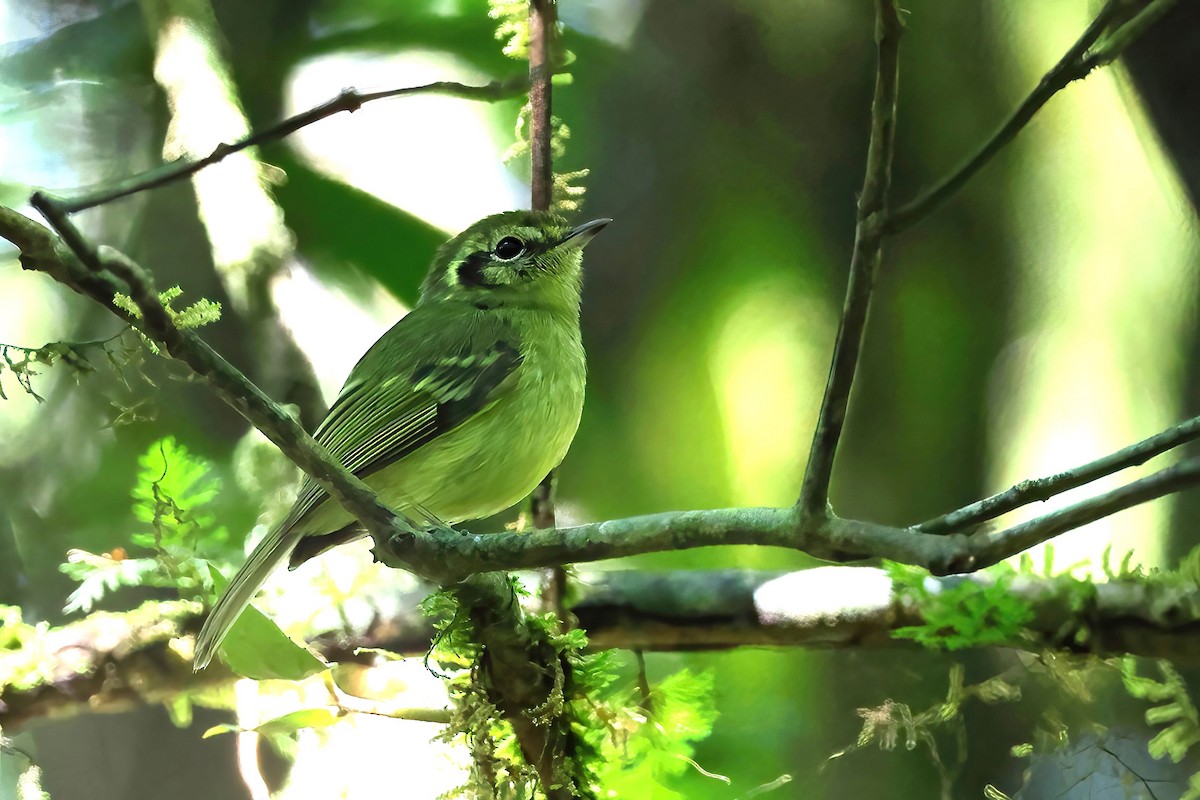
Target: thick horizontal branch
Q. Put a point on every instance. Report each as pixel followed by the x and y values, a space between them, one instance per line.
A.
pixel 113 662
pixel 1040 489
pixel 831 538
pixel 859 607
pixel 349 100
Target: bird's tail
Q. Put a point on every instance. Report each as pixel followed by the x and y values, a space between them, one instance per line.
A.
pixel 270 553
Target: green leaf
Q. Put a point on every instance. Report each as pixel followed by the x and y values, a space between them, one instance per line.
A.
pixel 1175 710
pixel 512 26
pixel 202 312
pixel 179 709
pixel 256 648
pixel 314 718
pixel 173 495
pixel 1193 790
pixel 660 749
pixel 171 475
pixel 685 705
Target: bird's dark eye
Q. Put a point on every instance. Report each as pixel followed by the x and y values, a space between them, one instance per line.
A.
pixel 509 248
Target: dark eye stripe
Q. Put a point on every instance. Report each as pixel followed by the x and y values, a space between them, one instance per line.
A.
pixel 470 271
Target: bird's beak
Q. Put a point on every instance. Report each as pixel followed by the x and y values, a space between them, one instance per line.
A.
pixel 580 236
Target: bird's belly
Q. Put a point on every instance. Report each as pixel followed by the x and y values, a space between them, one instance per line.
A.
pixel 488 463
pixel 480 468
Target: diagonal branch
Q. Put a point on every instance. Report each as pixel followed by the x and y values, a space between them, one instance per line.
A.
pixel 1077 63
pixel 1037 489
pixel 990 547
pixel 349 100
pixel 100 277
pixel 864 263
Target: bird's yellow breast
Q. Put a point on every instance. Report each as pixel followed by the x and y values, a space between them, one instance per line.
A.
pixel 497 457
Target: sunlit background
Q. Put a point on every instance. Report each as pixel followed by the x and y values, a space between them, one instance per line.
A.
pixel 1043 318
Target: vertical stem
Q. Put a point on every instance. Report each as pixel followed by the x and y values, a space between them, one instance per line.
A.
pixel 542 21
pixel 520 670
pixel 864 263
pixel 541 504
pixel 542 14
pixel 542 17
pixel 549 745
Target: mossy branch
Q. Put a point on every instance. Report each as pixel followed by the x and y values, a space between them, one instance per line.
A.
pixel 110 662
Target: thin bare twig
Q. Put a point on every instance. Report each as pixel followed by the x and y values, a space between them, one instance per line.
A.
pixel 1077 63
pixel 542 25
pixel 72 345
pixel 349 100
pixel 542 21
pixel 987 548
pixel 1037 489
pixel 1119 40
pixel 864 263
pixel 521 670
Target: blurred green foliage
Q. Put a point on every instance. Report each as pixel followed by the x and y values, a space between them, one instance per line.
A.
pixel 173 495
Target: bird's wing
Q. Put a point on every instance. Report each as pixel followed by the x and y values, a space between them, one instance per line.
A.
pixel 410 388
pixel 417 382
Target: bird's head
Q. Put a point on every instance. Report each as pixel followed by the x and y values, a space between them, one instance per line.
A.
pixel 528 259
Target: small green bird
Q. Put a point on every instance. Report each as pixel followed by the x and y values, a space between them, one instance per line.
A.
pixel 461 408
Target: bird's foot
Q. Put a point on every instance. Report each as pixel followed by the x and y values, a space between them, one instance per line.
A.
pixel 446 530
pixel 430 522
